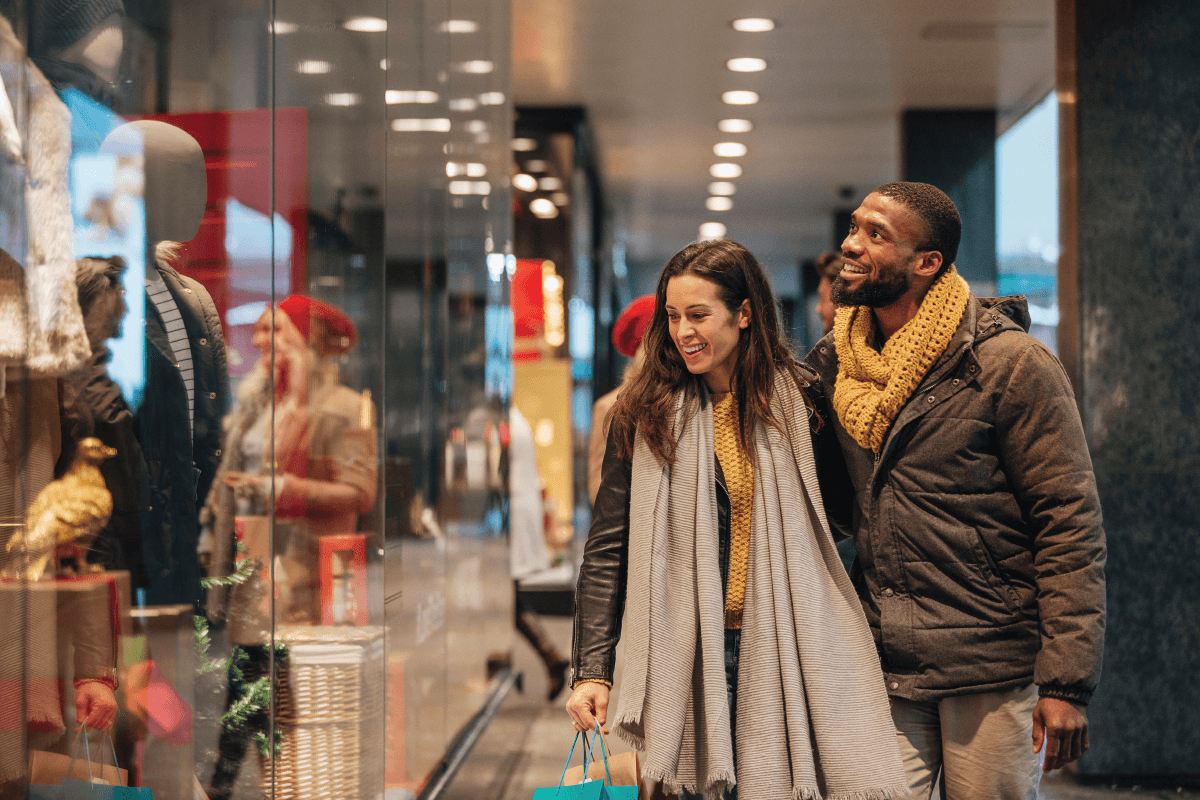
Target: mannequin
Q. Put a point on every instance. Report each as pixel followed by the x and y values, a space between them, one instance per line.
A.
pixel 187 389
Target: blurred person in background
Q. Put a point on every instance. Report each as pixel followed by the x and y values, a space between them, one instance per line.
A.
pixel 709 538
pixel 972 503
pixel 827 266
pixel 627 338
pixel 322 437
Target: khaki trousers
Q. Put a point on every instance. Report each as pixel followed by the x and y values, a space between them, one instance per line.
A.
pixel 981 745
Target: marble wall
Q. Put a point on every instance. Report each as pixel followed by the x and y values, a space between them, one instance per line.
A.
pixel 1138 144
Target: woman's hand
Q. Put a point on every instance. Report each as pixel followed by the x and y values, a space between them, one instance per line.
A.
pixel 588 705
pixel 95 705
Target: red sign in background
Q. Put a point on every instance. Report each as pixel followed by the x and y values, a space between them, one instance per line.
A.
pixel 233 258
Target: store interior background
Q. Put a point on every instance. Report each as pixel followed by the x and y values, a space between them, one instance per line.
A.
pixel 398 193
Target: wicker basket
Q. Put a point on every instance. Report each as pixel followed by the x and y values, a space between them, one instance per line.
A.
pixel 330 714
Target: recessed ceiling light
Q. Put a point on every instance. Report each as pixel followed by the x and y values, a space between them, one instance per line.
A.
pixel 729 149
pixel 463 104
pixel 722 188
pixel 536 165
pixel 313 67
pixel 384 64
pixel 543 208
pixel 718 204
pixel 712 230
pixel 561 198
pixel 754 24
pixel 365 24
pixel 725 170
pixel 735 126
pixel 459 26
pixel 740 98
pixel 403 125
pixel 491 99
pixel 472 169
pixel 526 183
pixel 477 67
pixel 396 96
pixel 470 187
pixel 550 184
pixel 279 26
pixel 524 144
pixel 746 64
pixel 341 99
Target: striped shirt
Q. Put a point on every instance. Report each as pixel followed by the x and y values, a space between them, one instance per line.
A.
pixel 177 336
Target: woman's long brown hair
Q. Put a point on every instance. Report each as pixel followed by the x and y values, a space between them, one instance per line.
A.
pixel 645 405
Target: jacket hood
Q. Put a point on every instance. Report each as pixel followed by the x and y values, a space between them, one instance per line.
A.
pixel 1015 307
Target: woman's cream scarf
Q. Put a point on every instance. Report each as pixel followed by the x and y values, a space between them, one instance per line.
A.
pixel 873 386
pixel 812 715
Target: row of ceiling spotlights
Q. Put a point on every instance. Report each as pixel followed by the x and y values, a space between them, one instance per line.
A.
pixel 721 191
pixel 377 25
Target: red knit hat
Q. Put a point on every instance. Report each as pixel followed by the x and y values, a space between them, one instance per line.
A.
pixel 631 325
pixel 326 327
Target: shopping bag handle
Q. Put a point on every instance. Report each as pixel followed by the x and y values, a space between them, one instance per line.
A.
pixel 567 766
pixel 603 752
pixel 87 748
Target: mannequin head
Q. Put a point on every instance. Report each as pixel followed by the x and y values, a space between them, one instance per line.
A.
pixel 176 187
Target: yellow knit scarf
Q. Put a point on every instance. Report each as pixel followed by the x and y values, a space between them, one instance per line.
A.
pixel 873 386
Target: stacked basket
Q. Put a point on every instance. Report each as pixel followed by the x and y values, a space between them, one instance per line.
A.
pixel 330 714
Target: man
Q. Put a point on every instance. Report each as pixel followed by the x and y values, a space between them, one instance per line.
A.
pixel 981 554
pixel 827 266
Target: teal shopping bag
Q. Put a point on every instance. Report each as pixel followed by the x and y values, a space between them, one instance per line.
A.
pixel 91 790
pixel 588 789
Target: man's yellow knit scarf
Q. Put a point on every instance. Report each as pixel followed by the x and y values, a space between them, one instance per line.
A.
pixel 873 386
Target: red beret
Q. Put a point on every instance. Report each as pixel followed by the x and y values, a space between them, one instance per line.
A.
pixel 332 334
pixel 631 325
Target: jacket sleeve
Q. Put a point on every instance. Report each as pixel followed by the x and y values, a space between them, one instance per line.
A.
pixel 600 592
pixel 1046 458
pixel 837 490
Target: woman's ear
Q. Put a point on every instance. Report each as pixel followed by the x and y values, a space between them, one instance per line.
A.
pixel 743 313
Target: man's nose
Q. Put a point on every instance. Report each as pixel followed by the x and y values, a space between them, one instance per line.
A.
pixel 850 244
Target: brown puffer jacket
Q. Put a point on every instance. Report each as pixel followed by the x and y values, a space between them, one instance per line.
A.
pixel 980 549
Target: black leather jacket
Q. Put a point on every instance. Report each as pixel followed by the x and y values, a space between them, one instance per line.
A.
pixel 600 592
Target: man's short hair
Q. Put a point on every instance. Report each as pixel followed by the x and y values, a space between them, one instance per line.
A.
pixel 943 225
pixel 828 264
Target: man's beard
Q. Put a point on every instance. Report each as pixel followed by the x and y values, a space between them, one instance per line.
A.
pixel 878 293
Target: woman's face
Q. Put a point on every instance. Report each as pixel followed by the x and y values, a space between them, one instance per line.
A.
pixel 704 330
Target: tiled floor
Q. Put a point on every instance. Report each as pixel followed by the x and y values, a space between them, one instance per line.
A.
pixel 526 745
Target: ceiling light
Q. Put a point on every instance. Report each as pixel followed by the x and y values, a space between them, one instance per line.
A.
pixel 740 98
pixel 735 126
pixel 712 230
pixel 536 165
pixel 472 170
pixel 470 187
pixel 396 96
pixel 312 67
pixel 722 188
pixel 403 125
pixel 526 183
pixel 384 64
pixel 464 104
pixel 474 67
pixel 341 99
pixel 365 24
pixel 561 198
pixel 459 26
pixel 754 24
pixel 550 184
pixel 729 150
pixel 543 208
pixel 491 99
pixel 746 64
pixel 476 126
pixel 725 170
pixel 718 204
pixel 524 145
pixel 279 26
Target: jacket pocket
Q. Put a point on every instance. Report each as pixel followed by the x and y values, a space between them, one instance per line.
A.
pixel 991 573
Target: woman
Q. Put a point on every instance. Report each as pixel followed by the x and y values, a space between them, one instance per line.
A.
pixel 710 534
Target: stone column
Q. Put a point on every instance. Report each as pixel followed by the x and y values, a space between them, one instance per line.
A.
pixel 1129 83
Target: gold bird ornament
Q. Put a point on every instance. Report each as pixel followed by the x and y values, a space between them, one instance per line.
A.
pixel 66 516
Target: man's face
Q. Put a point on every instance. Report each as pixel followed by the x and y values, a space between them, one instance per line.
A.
pixel 879 254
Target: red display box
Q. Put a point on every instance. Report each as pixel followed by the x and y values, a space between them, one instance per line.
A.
pixel 343 576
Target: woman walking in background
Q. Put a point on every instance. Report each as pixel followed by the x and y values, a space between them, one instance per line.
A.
pixel 747 652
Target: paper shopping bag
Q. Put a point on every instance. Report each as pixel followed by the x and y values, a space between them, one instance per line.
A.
pixel 93 786
pixel 598 783
pixel 621 770
pixel 47 771
pixel 587 790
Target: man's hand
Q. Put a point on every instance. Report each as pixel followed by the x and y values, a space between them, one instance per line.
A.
pixel 588 705
pixel 1061 726
pixel 95 705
